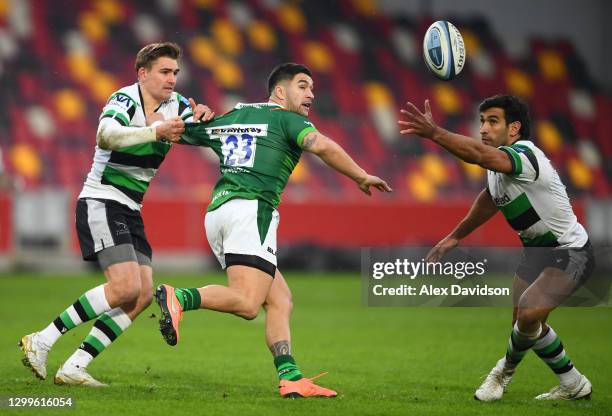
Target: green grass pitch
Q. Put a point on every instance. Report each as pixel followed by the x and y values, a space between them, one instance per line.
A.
pixel 382 361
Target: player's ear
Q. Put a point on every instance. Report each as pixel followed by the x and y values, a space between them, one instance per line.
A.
pixel 279 91
pixel 514 127
pixel 141 72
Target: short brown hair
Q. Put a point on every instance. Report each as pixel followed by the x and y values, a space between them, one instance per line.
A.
pixel 147 55
pixel 285 72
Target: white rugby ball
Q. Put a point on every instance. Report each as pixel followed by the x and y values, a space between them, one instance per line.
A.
pixel 444 50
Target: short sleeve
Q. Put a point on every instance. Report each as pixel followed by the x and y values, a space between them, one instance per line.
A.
pixel 296 126
pixel 184 109
pixel 525 165
pixel 196 134
pixel 120 107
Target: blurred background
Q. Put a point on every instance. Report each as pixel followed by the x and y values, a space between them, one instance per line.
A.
pixel 60 60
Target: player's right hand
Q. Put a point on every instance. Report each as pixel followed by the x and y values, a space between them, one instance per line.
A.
pixel 443 247
pixel 170 130
pixel 374 181
pixel 200 112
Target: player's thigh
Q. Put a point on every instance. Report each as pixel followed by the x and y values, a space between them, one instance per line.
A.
pixel 280 286
pixel 252 283
pixel 280 294
pixel 519 285
pixel 146 280
pixel 551 288
pixel 124 281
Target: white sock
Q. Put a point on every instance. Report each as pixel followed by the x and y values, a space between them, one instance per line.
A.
pixel 501 363
pixel 569 378
pixel 50 335
pixel 531 335
pixel 80 359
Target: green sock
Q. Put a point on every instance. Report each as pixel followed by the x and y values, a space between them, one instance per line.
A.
pixel 188 298
pixel 287 369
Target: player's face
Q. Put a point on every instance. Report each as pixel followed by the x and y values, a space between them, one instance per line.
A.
pixel 494 131
pixel 160 79
pixel 299 94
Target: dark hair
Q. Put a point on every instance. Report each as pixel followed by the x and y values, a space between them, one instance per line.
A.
pixel 147 55
pixel 284 72
pixel 514 108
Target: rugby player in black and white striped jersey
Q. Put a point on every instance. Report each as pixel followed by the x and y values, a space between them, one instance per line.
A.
pixel 135 132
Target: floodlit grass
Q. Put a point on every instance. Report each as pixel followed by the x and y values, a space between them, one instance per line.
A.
pixel 417 361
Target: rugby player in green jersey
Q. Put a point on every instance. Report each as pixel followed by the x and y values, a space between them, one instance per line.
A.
pixel 258 146
pixel 134 133
pixel 557 259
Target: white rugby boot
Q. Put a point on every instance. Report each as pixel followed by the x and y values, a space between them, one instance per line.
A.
pixel 494 386
pixel 582 389
pixel 35 353
pixel 76 376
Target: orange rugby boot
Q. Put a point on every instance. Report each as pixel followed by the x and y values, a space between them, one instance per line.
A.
pixel 304 387
pixel 171 313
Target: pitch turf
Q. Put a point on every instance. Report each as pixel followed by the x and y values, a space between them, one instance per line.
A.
pixel 418 361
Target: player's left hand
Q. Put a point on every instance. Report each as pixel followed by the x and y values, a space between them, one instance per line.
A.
pixel 421 124
pixel 200 112
pixel 374 181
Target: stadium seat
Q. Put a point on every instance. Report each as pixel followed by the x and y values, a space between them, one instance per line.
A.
pixel 366 65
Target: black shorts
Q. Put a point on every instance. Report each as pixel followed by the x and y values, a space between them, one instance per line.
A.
pixel 103 223
pixel 578 263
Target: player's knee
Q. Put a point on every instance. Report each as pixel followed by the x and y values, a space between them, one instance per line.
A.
pixel 528 316
pixel 250 312
pixel 146 297
pixel 126 292
pixel 287 304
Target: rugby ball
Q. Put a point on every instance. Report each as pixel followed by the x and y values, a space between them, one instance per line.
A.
pixel 444 50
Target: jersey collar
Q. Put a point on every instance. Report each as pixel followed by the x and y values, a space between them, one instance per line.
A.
pixel 256 105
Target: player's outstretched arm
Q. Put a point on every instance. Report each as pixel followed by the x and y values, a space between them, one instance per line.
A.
pixel 482 210
pixel 465 148
pixel 334 156
pixel 113 136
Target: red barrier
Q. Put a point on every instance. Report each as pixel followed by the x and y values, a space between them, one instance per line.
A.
pixel 388 224
pixel 6 223
pixel 177 224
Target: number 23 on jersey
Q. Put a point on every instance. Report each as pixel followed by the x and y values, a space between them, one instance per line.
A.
pixel 239 142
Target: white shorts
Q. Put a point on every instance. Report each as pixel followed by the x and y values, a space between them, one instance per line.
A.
pixel 243 232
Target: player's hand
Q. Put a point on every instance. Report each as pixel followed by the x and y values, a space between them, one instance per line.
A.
pixel 200 112
pixel 374 181
pixel 170 130
pixel 421 124
pixel 443 247
pixel 152 118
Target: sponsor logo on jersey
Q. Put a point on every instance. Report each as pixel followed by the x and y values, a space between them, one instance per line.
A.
pixel 271 251
pixel 238 129
pixel 234 130
pixel 120 100
pixel 233 170
pixel 501 200
pixel 219 195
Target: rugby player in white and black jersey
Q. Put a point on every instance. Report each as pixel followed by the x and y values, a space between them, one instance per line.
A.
pixel 136 128
pixel 557 259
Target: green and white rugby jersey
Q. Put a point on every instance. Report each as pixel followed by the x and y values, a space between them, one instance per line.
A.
pixel 258 146
pixel 534 201
pixel 124 175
